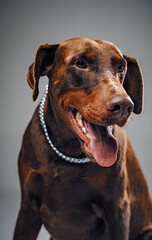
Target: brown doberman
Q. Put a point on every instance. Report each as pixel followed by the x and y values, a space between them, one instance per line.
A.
pixel 79 174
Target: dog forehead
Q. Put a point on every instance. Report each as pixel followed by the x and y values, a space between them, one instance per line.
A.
pixel 90 47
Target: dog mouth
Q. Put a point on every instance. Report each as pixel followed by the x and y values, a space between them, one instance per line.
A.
pixel 98 142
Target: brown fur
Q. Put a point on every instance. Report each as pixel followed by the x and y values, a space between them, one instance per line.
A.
pixel 82 201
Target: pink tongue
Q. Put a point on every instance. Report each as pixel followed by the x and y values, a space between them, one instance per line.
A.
pixel 102 145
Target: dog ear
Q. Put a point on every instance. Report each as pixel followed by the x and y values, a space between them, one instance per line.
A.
pixel 133 83
pixel 44 58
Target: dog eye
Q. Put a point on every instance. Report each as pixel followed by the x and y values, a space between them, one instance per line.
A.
pixel 121 69
pixel 81 64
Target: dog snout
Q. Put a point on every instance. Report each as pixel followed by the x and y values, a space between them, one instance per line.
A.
pixel 121 106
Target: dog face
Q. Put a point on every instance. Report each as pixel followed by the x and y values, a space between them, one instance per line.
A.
pixel 95 86
pixel 85 78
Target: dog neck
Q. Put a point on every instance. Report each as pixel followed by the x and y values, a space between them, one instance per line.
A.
pixel 46 132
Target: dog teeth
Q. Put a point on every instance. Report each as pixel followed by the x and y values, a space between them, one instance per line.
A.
pixel 80 123
pixel 79 119
pixel 79 115
pixel 84 130
pixel 111 128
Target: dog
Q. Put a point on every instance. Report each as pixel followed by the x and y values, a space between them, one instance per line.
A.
pixel 79 175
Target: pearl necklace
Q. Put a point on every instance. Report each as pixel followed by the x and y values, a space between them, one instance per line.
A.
pixel 43 124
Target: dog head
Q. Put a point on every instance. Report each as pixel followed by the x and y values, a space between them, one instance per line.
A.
pixel 95 87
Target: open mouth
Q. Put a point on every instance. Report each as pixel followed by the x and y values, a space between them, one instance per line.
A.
pixel 98 141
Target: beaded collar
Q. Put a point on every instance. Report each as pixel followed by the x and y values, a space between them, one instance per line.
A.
pixel 43 124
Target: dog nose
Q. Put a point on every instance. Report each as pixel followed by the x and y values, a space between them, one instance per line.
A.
pixel 120 106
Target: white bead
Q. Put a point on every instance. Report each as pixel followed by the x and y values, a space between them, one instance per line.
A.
pixel 53 148
pixel 44 128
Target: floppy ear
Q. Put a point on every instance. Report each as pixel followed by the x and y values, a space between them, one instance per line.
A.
pixel 133 83
pixel 44 58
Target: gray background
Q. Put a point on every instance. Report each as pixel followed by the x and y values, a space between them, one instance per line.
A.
pixel 27 24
